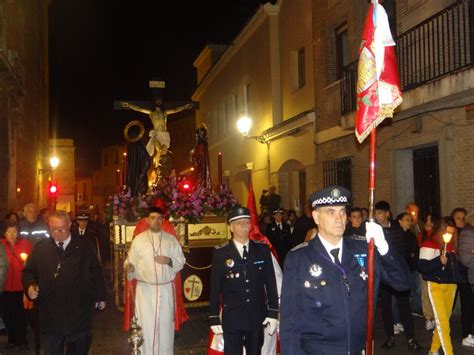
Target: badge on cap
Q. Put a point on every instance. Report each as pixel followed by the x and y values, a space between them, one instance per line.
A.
pixel 335 193
pixel 315 270
pixel 229 263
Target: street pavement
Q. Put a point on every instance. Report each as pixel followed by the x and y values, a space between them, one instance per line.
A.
pixel 109 339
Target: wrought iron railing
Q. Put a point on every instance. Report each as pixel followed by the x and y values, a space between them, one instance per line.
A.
pixel 440 45
pixel 348 88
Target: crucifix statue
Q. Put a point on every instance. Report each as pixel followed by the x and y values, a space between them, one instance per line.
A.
pixel 159 140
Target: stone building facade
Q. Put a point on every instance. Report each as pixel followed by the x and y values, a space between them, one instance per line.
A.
pixel 24 115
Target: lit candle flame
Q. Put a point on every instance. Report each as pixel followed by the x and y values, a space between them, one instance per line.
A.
pixel 23 256
pixel 447 237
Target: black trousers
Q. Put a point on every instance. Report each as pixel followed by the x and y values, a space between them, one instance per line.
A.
pixel 467 307
pixel 77 344
pixel 403 303
pixel 235 340
pixel 14 316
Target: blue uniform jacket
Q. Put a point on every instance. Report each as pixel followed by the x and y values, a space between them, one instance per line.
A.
pixel 246 290
pixel 323 305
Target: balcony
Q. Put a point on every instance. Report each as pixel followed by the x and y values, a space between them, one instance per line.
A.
pixel 440 45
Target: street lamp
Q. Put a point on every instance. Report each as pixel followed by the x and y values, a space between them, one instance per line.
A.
pixel 54 162
pixel 243 125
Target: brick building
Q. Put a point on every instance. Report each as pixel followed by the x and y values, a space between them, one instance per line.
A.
pixel 424 152
pixel 23 102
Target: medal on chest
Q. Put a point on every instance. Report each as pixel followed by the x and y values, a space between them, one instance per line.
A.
pixel 361 261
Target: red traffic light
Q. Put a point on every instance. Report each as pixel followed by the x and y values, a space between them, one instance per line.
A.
pixel 53 190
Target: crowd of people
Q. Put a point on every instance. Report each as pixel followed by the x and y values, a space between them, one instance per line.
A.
pixel 437 271
pixel 48 262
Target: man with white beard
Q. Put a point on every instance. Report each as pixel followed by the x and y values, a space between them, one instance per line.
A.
pixel 153 260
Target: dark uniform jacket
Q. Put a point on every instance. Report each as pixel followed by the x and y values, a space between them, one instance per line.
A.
pixel 281 239
pixel 67 294
pixel 323 306
pixel 91 235
pixel 246 290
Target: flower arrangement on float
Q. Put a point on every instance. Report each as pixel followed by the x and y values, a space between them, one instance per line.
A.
pixel 190 205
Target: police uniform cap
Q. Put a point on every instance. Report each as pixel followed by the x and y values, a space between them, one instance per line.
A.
pixel 238 213
pixel 278 210
pixel 83 217
pixel 330 196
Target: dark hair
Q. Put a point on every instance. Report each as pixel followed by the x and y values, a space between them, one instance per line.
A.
pixel 12 214
pixel 290 212
pixel 401 215
pixel 442 224
pixel 434 219
pixel 354 209
pixel 154 209
pixel 382 206
pixel 458 209
pixel 12 225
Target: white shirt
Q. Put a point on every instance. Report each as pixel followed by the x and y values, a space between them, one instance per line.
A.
pixel 82 231
pixel 240 247
pixel 328 246
pixel 65 242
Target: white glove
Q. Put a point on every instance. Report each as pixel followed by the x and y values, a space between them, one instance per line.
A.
pixel 217 329
pixel 271 324
pixel 375 231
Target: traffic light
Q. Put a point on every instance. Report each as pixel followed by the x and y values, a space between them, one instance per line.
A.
pixel 53 190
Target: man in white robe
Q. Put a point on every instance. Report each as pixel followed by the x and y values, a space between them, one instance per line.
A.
pixel 153 260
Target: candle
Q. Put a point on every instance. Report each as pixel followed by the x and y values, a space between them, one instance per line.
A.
pixel 23 256
pixel 446 238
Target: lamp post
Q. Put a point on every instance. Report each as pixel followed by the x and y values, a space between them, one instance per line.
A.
pixel 244 124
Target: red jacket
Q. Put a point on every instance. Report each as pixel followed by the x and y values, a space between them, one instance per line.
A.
pixel 15 264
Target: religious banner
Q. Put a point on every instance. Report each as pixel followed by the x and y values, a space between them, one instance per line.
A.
pixel 378 84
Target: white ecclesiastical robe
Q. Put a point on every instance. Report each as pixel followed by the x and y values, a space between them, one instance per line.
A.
pixel 154 295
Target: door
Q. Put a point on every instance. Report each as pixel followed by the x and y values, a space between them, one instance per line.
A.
pixel 426 180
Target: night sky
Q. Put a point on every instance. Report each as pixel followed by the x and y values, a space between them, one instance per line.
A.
pixel 106 50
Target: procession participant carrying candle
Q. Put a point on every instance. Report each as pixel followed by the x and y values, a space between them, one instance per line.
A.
pixel 14 315
pixel 439 265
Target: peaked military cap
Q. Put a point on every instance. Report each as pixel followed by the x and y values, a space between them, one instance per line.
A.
pixel 279 210
pixel 83 217
pixel 238 213
pixel 330 196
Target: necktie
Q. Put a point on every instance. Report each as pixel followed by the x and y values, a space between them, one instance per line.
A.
pixel 61 248
pixel 335 253
pixel 245 254
pixel 279 226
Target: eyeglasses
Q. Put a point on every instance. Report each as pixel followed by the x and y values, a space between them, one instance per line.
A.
pixel 60 230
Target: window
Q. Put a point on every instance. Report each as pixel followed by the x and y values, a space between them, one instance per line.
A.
pixel 298 68
pixel 338 172
pixel 342 50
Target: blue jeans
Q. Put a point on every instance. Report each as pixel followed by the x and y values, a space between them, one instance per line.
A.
pixel 415 295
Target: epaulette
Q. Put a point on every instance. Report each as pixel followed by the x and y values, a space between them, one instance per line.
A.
pixel 221 245
pixel 299 246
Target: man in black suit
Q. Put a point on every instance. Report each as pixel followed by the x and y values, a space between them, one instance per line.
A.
pixel 279 235
pixel 64 277
pixel 86 230
pixel 243 284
